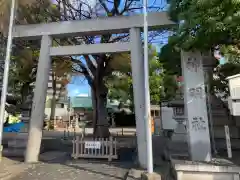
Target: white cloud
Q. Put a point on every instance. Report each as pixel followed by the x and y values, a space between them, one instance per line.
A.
pixel 82 95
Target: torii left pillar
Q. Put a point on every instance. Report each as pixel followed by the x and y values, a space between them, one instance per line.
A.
pixel 40 92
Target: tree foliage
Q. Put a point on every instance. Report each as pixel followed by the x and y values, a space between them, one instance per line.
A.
pixel 26 53
pixel 161 85
pixel 155 77
pixel 5 8
pixel 205 24
pixel 219 82
pixel 171 59
pixel 23 72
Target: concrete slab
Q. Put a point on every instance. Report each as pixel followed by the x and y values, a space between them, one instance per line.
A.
pixel 217 169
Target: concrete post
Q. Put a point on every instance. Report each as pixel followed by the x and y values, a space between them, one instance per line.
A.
pixel 195 106
pixel 137 63
pixel 40 92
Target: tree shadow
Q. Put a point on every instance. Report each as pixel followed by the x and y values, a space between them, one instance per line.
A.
pixel 96 166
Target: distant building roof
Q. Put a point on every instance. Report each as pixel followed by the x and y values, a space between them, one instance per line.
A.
pixel 81 102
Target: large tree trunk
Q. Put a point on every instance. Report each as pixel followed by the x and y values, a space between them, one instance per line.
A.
pixel 101 125
pixel 94 107
pixel 99 96
pixel 53 106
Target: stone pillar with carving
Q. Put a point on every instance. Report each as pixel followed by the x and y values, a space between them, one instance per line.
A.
pixel 195 106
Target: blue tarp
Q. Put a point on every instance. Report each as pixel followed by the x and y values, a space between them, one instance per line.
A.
pixel 13 127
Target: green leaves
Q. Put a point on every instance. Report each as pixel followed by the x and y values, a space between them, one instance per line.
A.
pixel 5 7
pixel 205 24
pixel 120 82
pixel 170 59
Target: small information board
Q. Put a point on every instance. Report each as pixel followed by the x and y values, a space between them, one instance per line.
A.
pixel 228 141
pixel 92 145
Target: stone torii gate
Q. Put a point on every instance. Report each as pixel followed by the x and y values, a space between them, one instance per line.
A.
pixel 121 24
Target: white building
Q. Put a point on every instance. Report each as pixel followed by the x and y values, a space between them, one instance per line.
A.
pixel 61 110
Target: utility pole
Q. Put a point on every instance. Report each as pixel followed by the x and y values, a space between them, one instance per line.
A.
pixel 147 94
pixel 6 72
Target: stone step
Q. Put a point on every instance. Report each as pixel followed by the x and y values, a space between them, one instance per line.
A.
pixel 14 152
pixel 237 120
pixel 221 144
pixel 25 119
pixel 17 143
pixel 219 132
pixel 217 106
pixel 219 112
pixel 13 135
pixel 221 121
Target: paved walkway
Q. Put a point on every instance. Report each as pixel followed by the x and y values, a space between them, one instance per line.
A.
pixel 74 170
pixel 10 168
pixel 59 166
pixel 62 167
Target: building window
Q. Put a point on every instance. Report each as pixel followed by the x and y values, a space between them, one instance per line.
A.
pixel 152 113
pixel 157 113
pixel 60 105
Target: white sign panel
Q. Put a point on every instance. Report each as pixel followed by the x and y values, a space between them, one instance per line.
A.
pixel 195 106
pixel 167 118
pixel 228 142
pixel 92 145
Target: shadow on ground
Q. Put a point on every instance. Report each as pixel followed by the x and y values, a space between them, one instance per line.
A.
pixel 56 163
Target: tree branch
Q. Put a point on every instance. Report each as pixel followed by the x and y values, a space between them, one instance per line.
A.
pixel 90 64
pixel 104 6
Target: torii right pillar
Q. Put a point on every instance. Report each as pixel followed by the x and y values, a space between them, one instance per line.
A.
pixel 195 106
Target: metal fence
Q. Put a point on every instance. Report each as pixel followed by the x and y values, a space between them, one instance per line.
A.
pixel 95 148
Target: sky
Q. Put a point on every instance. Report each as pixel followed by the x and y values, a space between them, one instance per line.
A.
pixel 79 85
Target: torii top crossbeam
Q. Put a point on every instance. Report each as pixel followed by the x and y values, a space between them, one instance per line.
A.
pixel 96 26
